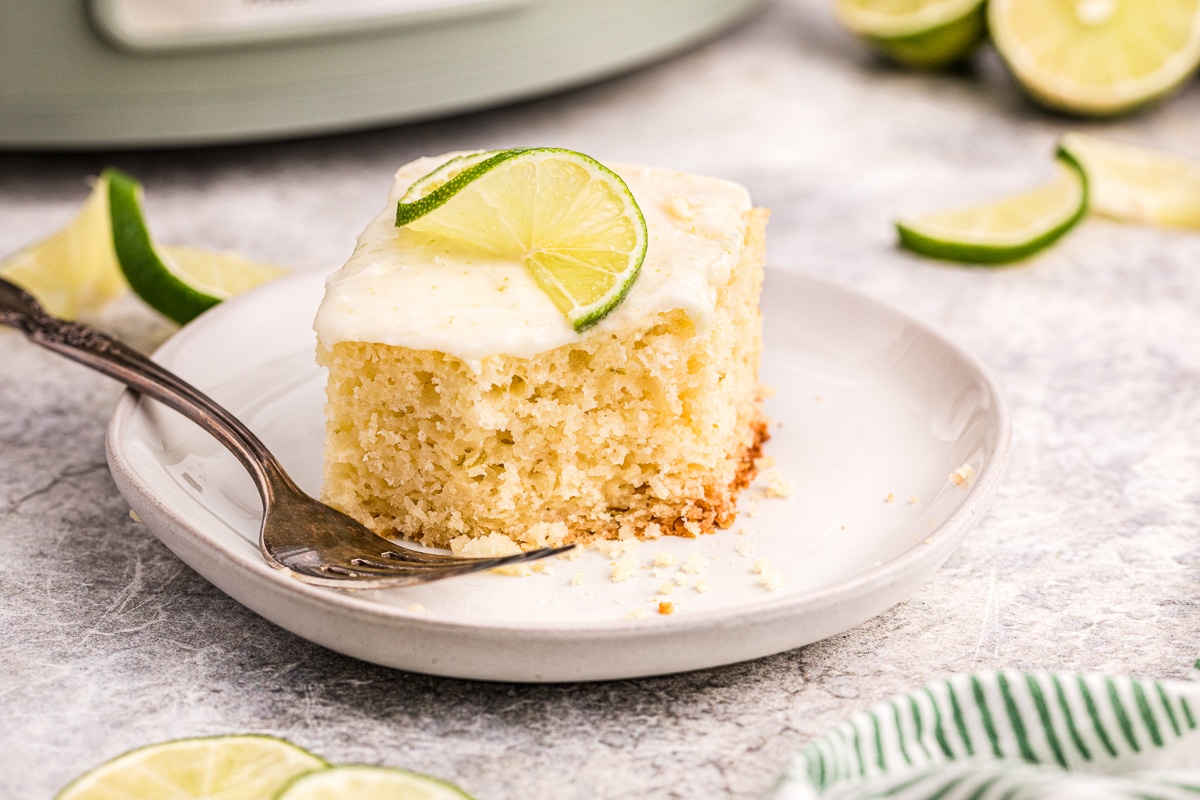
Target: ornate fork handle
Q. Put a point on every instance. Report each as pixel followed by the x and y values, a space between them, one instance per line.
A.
pixel 103 353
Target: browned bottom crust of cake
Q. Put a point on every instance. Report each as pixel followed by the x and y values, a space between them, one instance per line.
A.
pixel 718 507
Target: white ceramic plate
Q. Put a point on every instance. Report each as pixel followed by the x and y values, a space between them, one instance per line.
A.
pixel 869 404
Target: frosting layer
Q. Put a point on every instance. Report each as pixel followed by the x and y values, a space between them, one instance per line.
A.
pixel 407 289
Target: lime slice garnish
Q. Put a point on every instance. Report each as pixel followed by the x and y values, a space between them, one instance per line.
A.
pixel 1137 184
pixel 74 271
pixel 179 283
pixel 369 783
pixel 1097 57
pixel 242 767
pixel 571 221
pixel 926 34
pixel 1006 230
pixel 442 175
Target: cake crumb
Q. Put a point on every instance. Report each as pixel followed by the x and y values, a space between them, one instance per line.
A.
pixel 577 578
pixel 420 609
pixel 891 497
pixel 764 463
pixel 778 486
pixel 962 475
pixel 743 531
pixel 912 501
pixel 666 608
pixel 666 587
pixel 542 567
pixel 490 546
pixel 664 559
pixel 682 580
pixel 761 565
pixel 752 509
pixel 702 586
pixel 637 613
pixel 695 564
pixel 624 563
pixel 928 540
pixel 771 580
pixel 133 516
pixel 745 547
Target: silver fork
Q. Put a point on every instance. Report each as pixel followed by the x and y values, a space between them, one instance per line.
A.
pixel 316 543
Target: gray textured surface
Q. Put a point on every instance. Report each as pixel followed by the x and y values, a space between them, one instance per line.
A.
pixel 1087 559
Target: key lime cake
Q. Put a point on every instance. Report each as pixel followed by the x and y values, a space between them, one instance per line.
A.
pixel 464 405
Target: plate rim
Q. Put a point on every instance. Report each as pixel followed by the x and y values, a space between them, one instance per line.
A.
pixel 944 539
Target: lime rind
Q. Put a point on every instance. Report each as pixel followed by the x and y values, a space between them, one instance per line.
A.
pixel 925 236
pixel 1091 99
pixel 935 35
pixel 865 20
pixel 1132 183
pixel 360 781
pixel 440 176
pixel 407 213
pixel 545 264
pixel 294 761
pixel 144 267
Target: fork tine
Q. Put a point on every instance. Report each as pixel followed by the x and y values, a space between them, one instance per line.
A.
pixel 363 574
pixel 413 557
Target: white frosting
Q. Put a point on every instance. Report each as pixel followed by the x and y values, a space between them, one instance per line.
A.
pixel 401 288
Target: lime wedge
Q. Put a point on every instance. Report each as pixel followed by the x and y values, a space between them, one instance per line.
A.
pixel 74 271
pixel 243 767
pixel 1137 184
pixel 1006 230
pixel 1097 57
pixel 571 221
pixel 926 34
pixel 179 283
pixel 369 783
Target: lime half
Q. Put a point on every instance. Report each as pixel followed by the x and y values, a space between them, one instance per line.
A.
pixel 181 282
pixel 571 221
pixel 1006 230
pixel 74 271
pixel 369 783
pixel 242 767
pixel 1097 57
pixel 926 34
pixel 1137 184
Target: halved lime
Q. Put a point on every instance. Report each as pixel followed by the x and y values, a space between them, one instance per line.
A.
pixel 241 767
pixel 570 220
pixel 1137 184
pixel 74 271
pixel 369 783
pixel 179 283
pixel 1006 230
pixel 926 34
pixel 1097 57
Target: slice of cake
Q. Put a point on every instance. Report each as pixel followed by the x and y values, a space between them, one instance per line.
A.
pixel 462 403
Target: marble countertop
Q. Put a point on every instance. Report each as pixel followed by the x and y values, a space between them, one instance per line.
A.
pixel 1086 560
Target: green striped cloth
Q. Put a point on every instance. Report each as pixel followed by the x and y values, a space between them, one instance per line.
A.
pixel 1011 736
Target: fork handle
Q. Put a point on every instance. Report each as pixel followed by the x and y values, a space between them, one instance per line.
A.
pixel 105 354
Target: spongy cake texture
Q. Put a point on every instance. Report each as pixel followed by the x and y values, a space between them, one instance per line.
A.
pixel 648 429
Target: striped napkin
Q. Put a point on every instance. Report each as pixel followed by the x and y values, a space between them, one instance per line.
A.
pixel 1011 736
